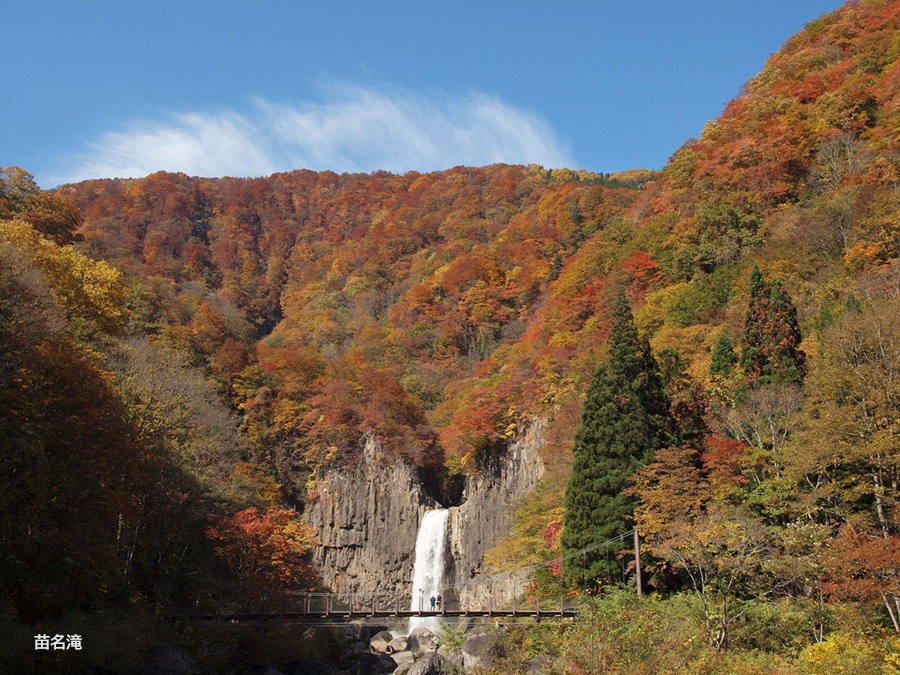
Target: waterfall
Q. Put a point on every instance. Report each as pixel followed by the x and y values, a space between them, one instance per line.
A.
pixel 428 570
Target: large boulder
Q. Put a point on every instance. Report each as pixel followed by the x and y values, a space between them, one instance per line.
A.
pixel 434 664
pixel 480 650
pixel 359 631
pixel 387 663
pixel 379 643
pixel 421 642
pixel 403 658
pixel 369 664
pixel 398 644
pixel 355 631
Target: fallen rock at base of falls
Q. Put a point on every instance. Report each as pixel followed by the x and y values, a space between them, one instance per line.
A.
pixel 421 642
pixel 401 658
pixel 480 650
pixel 368 664
pixel 433 664
pixel 355 631
pixel 380 642
pixel 388 665
pixel 398 644
pixel 359 631
pixel 363 664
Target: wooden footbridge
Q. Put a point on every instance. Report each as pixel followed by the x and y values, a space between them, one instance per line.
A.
pixel 232 603
pixel 337 607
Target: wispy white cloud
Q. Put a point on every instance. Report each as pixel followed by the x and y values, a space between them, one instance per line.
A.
pixel 352 129
pixel 209 145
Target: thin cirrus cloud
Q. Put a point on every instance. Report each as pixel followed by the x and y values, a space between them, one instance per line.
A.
pixel 356 129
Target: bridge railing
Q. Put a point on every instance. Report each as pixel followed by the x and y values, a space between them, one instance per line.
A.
pixel 209 599
pixel 353 604
pixel 274 604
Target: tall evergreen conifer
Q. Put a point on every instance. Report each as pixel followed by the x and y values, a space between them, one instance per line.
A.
pixel 787 362
pixel 625 419
pixel 753 358
pixel 771 342
pixel 723 358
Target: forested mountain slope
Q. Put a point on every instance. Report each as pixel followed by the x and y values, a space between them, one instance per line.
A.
pixel 334 306
pixel 442 312
pixel 439 311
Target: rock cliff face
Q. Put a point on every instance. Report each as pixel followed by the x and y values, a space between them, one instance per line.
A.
pixel 486 515
pixel 368 520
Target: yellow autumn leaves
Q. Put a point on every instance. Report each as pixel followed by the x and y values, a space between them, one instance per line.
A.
pixel 92 293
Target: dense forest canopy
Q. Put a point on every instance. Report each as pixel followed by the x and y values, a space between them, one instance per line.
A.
pixel 181 358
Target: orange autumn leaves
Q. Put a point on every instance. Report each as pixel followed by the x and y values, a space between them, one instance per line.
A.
pixel 266 549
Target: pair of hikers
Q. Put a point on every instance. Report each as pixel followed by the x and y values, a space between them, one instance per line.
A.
pixel 437 601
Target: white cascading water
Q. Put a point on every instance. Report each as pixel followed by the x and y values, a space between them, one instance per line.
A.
pixel 428 569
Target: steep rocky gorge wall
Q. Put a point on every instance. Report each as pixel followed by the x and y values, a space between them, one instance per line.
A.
pixel 486 515
pixel 368 520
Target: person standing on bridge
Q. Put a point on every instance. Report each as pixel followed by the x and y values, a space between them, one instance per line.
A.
pixel 432 603
pixel 439 598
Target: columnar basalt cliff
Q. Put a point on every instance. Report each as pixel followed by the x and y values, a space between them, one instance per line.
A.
pixel 368 519
pixel 486 515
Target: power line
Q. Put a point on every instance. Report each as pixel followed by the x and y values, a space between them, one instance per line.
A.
pixel 548 563
pixel 359 597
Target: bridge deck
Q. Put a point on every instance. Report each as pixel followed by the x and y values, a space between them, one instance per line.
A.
pixel 363 614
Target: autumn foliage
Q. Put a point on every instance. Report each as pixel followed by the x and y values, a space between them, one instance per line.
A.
pixel 266 550
pixel 181 358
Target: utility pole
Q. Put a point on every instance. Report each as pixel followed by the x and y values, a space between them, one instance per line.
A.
pixel 637 562
pixel 591 629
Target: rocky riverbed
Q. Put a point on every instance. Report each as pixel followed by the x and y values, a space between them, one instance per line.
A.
pixel 373 649
pixel 361 648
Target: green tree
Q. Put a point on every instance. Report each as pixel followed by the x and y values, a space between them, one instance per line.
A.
pixel 846 448
pixel 723 358
pixel 17 188
pixel 625 419
pixel 771 341
pixel 753 358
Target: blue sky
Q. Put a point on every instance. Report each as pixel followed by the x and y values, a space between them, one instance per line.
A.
pixel 124 88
